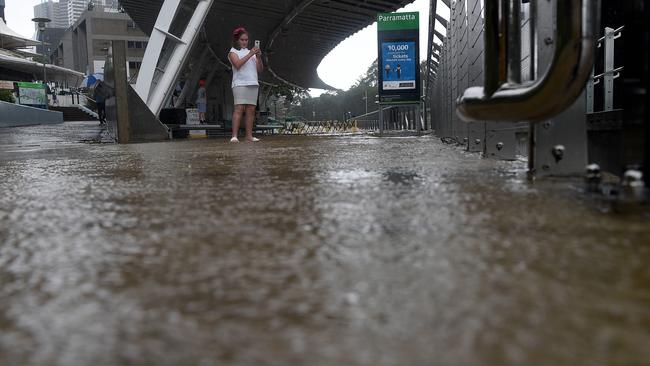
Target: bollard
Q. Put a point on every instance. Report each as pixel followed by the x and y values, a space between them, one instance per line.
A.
pixel 593 178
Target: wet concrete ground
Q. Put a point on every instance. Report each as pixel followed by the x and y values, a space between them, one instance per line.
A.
pixel 307 251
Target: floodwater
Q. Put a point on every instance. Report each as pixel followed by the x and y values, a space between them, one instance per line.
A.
pixel 307 251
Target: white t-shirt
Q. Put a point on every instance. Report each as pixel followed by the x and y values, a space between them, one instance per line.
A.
pixel 202 96
pixel 247 74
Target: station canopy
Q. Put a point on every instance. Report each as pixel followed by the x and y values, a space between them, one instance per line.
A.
pixel 301 32
pixel 11 40
pixel 9 61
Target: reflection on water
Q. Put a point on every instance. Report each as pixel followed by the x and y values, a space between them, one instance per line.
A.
pixel 350 250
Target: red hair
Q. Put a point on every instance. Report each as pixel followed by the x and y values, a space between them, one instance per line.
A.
pixel 201 82
pixel 236 35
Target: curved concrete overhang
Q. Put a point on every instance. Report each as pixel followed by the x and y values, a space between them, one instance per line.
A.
pixel 295 34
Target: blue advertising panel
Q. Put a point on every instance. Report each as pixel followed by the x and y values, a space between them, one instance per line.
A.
pixel 399 65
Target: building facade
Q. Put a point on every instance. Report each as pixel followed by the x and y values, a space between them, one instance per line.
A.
pixel 60 13
pixel 75 9
pixel 56 11
pixel 85 44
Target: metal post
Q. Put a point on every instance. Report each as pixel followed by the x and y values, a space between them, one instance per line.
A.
pixel 454 45
pixel 608 77
pixel 44 58
pixel 514 41
pixel 366 98
pixel 590 93
pixel 477 130
pixel 160 94
pixel 417 119
pixel 42 25
pixel 381 119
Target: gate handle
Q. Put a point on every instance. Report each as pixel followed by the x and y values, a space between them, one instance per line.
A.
pixel 548 96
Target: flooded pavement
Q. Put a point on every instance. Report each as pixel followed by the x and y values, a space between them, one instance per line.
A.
pixel 307 251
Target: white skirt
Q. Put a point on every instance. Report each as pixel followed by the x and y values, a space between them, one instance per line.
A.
pixel 245 94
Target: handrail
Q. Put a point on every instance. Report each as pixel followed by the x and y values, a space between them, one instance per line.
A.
pixel 615 71
pixel 616 33
pixel 559 88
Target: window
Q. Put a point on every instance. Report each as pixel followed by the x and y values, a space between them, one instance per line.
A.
pixel 136 44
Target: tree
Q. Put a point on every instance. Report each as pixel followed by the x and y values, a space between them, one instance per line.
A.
pixel 334 105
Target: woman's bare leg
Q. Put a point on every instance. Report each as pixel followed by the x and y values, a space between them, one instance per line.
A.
pixel 236 119
pixel 250 118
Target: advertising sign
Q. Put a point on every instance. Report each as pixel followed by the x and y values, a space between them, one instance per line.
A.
pixel 32 94
pixel 399 65
pixel 193 119
pixel 399 57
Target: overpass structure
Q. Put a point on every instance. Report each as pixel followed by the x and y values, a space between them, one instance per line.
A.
pixel 545 80
pixel 295 35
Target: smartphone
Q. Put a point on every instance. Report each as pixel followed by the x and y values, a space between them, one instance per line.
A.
pixel 257 43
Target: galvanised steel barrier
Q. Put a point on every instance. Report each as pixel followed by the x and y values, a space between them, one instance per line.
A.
pixel 609 73
pixel 512 72
pixel 462 66
pixel 394 119
pixel 318 127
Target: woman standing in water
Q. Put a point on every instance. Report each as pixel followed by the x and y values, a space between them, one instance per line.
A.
pixel 246 66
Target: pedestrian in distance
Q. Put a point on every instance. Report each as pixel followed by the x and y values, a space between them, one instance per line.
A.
pixel 100 100
pixel 202 101
pixel 246 67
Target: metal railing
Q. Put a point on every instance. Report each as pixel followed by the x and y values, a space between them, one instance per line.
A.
pixel 318 127
pixel 609 74
pixel 69 100
pixel 394 118
pixel 368 121
pixel 504 98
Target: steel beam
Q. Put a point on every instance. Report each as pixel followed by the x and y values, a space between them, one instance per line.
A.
pixel 154 48
pixel 160 93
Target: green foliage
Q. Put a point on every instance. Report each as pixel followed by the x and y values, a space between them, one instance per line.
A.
pixel 290 93
pixel 7 96
pixel 335 104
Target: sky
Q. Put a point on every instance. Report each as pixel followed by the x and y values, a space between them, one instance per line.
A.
pixel 352 57
pixel 340 69
pixel 19 14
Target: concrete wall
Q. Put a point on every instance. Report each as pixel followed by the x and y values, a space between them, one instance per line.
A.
pixel 84 46
pixel 15 115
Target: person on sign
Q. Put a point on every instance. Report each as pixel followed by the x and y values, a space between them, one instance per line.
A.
pixel 387 68
pixel 246 66
pixel 399 71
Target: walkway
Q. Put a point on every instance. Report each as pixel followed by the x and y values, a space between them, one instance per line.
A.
pixel 307 250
